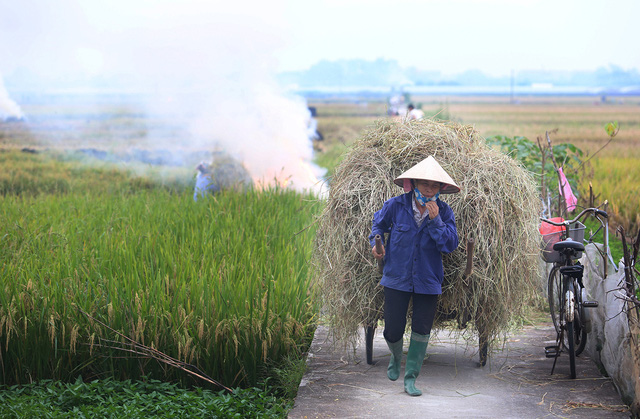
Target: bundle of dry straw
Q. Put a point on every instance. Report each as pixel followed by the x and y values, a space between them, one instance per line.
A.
pixel 228 172
pixel 497 207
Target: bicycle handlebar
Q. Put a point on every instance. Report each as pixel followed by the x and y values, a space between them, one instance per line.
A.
pixel 582 213
pixel 602 213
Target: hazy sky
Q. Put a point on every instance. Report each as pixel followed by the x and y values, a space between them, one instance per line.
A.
pixel 454 35
pixel 184 37
pixel 214 61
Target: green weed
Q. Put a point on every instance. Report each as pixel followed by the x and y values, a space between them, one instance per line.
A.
pixel 134 399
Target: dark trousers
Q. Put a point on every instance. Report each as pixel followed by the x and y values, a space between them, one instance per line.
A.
pixel 396 304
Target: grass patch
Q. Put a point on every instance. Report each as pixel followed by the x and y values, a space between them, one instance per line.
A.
pixel 287 376
pixel 58 173
pixel 331 158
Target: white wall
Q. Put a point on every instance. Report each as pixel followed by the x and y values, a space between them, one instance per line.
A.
pixel 609 343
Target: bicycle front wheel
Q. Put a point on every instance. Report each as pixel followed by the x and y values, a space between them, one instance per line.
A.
pixel 554 294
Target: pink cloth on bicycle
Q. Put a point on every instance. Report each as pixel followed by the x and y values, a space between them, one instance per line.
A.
pixel 569 197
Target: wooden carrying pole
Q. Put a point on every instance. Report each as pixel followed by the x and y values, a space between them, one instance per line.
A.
pixel 378 240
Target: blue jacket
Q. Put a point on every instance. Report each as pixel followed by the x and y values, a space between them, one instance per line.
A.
pixel 413 256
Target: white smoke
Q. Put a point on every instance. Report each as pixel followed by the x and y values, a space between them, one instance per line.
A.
pixel 264 129
pixel 8 108
pixel 207 67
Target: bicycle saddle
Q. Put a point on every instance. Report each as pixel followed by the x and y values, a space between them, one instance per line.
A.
pixel 568 244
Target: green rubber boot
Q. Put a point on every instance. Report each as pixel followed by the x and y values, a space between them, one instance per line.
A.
pixel 393 372
pixel 415 357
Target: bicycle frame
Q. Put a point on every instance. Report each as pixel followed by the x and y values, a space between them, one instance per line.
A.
pixel 567 294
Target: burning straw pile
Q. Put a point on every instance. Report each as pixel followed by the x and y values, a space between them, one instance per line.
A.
pixel 228 173
pixel 497 207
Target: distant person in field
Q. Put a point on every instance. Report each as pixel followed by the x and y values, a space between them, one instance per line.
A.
pixel 420 228
pixel 413 113
pixel 395 103
pixel 204 182
pixel 312 125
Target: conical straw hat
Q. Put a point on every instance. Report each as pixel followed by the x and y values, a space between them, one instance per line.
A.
pixel 428 169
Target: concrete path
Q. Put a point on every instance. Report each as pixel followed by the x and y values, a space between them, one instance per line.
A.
pixel 515 383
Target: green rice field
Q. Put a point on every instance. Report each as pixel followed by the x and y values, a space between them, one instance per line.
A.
pixel 222 284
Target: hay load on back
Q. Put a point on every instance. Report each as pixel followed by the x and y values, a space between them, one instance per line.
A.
pixel 497 207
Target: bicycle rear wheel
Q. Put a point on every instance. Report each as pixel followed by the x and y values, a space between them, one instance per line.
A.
pixel 556 307
pixel 572 353
pixel 579 331
pixel 570 335
pixel 579 337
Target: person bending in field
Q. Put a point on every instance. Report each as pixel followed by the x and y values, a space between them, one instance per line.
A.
pixel 420 228
pixel 204 182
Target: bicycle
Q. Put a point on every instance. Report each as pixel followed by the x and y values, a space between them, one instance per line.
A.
pixel 566 292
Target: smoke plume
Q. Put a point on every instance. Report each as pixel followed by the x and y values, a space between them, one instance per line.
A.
pixel 8 108
pixel 203 71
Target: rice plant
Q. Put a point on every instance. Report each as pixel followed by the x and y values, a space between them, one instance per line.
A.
pixel 616 180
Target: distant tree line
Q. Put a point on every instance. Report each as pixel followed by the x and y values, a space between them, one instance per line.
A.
pixel 382 72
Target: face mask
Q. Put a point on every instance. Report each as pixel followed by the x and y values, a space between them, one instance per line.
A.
pixel 423 199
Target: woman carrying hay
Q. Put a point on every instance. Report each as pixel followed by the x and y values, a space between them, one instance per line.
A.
pixel 421 227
